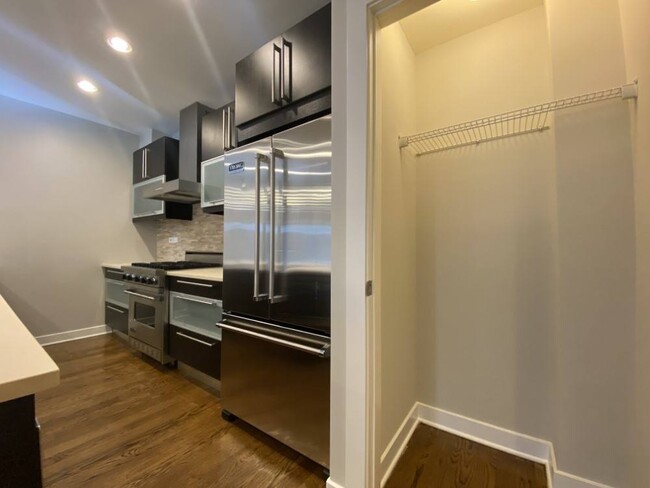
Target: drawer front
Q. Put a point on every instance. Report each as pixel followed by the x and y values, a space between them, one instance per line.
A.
pixel 115 293
pixel 198 351
pixel 117 318
pixel 197 314
pixel 201 288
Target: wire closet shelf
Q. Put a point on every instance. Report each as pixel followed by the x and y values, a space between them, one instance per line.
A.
pixel 508 124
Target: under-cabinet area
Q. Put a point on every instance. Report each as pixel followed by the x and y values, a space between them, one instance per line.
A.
pixel 501 230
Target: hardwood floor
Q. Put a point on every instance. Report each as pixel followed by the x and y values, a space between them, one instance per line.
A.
pixel 119 421
pixel 434 458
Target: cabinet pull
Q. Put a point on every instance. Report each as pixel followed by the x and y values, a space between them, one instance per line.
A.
pixel 115 272
pixel 195 339
pixel 142 163
pixel 194 283
pixel 204 302
pixel 115 309
pixel 285 93
pixel 276 75
pixel 223 133
pixel 229 134
pixel 146 163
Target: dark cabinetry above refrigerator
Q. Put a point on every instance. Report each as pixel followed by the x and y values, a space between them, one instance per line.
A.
pixel 286 81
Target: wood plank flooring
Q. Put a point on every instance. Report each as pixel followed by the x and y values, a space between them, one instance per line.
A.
pixel 118 421
pixel 434 458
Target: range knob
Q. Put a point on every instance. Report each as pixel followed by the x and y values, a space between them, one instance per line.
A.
pixel 129 277
pixel 139 279
pixel 152 281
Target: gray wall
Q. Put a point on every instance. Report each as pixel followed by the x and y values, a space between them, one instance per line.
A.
pixel 65 207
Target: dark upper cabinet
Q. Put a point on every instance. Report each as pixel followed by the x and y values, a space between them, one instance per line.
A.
pixel 218 132
pixel 153 165
pixel 307 54
pixel 287 80
pixel 255 76
pixel 191 140
pixel 156 159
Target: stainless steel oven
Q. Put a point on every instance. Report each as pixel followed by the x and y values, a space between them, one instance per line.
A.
pixel 147 320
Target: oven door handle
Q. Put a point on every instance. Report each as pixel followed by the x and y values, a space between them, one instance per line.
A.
pixel 322 352
pixel 140 295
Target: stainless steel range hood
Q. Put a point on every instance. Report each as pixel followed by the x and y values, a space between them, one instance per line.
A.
pixel 186 188
pixel 180 191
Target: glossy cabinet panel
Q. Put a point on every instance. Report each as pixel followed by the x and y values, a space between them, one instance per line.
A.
pixel 194 313
pixel 145 207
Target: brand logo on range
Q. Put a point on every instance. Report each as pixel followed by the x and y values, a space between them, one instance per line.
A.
pixel 236 167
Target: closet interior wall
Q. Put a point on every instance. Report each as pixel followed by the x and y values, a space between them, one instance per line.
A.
pixel 506 270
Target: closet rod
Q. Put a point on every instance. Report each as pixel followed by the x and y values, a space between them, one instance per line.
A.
pixel 508 124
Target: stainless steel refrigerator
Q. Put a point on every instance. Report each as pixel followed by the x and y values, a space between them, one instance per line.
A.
pixel 276 296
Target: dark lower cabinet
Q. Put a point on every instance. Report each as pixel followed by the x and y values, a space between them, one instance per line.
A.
pixel 196 350
pixel 193 286
pixel 20 451
pixel 117 318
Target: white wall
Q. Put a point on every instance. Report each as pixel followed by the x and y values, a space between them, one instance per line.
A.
pixel 527 246
pixel 486 218
pixel 636 38
pixel 396 318
pixel 65 207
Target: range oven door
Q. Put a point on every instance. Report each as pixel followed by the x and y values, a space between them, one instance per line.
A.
pixel 278 380
pixel 146 317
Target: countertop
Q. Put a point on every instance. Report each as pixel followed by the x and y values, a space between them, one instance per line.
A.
pixel 210 274
pixel 25 367
pixel 115 266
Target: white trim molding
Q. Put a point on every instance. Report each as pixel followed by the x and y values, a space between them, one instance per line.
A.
pixel 521 445
pixel 73 335
pixel 332 484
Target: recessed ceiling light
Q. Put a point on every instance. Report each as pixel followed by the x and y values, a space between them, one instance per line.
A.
pixel 87 86
pixel 119 44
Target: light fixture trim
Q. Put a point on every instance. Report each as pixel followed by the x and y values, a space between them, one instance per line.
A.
pixel 119 44
pixel 87 86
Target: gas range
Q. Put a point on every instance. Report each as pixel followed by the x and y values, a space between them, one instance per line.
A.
pixel 148 300
pixel 153 274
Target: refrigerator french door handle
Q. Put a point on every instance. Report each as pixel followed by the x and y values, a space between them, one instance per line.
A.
pixel 273 298
pixel 322 352
pixel 256 253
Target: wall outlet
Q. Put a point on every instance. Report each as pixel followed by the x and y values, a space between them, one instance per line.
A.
pixel 173 240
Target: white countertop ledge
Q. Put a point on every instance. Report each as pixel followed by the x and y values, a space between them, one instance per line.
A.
pixel 25 367
pixel 209 274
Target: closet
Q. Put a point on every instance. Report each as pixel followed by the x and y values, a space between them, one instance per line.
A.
pixel 504 225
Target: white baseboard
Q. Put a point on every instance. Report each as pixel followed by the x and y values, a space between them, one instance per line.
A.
pixel 521 445
pixel 73 335
pixel 566 480
pixel 332 484
pixel 397 444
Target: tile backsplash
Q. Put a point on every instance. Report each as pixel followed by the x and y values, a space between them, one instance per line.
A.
pixel 203 233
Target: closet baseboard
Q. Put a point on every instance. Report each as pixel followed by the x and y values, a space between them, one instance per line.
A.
pixel 515 443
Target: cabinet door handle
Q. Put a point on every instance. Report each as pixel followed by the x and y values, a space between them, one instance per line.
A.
pixel 115 309
pixel 194 283
pixel 196 300
pixel 285 90
pixel 276 75
pixel 146 163
pixel 229 136
pixel 142 163
pixel 195 339
pixel 223 132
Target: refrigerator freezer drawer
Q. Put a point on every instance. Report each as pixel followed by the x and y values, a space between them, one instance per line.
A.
pixel 279 382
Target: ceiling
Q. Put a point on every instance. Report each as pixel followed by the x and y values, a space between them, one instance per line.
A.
pixel 183 51
pixel 448 19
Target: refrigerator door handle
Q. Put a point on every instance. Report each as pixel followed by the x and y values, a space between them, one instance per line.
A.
pixel 322 352
pixel 256 258
pixel 273 298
